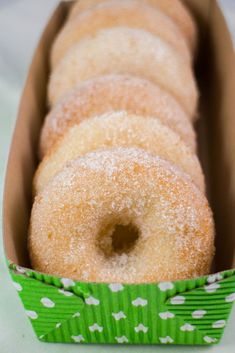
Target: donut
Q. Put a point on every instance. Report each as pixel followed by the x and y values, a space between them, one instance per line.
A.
pixel 123 50
pixel 175 9
pixel 128 13
pixel 119 129
pixel 121 215
pixel 121 92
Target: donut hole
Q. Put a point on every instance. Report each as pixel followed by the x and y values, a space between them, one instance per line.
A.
pixel 118 239
pixel 124 238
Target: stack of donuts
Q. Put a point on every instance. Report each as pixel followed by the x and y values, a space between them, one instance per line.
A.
pixel 119 194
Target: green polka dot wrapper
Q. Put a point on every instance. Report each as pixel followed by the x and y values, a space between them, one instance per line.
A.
pixel 185 312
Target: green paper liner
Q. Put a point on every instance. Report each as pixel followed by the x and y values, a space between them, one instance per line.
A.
pixel 61 317
pixel 188 312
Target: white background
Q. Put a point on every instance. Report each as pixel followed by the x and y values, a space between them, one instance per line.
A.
pixel 21 23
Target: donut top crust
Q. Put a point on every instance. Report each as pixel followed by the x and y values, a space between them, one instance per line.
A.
pixel 128 185
pixel 122 92
pixel 114 13
pixel 177 12
pixel 123 50
pixel 119 129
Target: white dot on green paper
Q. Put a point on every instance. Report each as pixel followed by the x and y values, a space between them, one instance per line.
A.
pixel 219 324
pixel 187 327
pixel 116 287
pixel 76 314
pixel 95 327
pixel 20 269
pixel 214 277
pixel 92 301
pixel 209 339
pixel 17 286
pixel 166 315
pixel 139 302
pixel 122 339
pixel 65 292
pixel 166 340
pixel 118 316
pixel 141 328
pixel 211 288
pixel 48 303
pixel 177 300
pixel 31 314
pixel 164 286
pixel 230 298
pixel 78 338
pixel 198 314
pixel 67 282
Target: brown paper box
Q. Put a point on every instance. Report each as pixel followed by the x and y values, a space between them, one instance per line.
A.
pixel 215 71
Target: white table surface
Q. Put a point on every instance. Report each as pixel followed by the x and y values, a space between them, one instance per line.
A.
pixel 21 23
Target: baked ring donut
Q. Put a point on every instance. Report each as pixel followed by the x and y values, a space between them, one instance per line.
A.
pixel 119 129
pixel 133 94
pixel 114 13
pixel 75 221
pixel 123 50
pixel 177 12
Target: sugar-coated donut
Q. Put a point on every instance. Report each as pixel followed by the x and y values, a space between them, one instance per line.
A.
pixel 76 221
pixel 172 8
pixel 130 13
pixel 119 129
pixel 121 92
pixel 123 50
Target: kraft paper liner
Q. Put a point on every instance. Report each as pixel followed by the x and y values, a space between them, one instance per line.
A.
pixel 72 319
pixel 193 311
